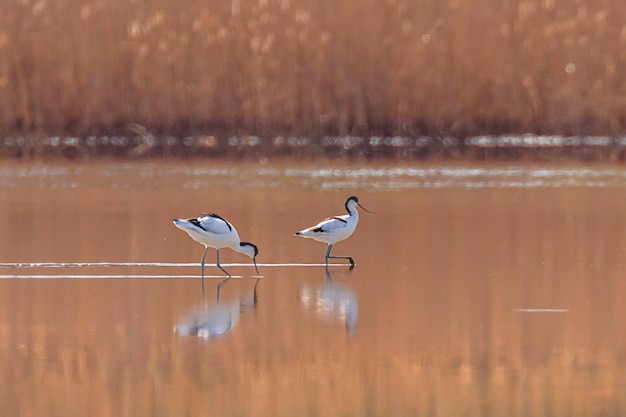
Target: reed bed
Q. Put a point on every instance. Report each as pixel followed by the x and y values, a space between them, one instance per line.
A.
pixel 301 68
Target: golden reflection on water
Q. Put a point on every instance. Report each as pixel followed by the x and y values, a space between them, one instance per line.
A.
pixel 430 322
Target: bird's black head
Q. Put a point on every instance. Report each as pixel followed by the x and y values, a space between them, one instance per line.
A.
pixel 356 202
pixel 252 251
pixel 251 247
pixel 256 250
pixel 353 198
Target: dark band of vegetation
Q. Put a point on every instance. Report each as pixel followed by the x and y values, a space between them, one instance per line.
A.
pixel 298 68
pixel 511 147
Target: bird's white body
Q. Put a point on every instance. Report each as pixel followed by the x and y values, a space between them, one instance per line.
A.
pixel 333 229
pixel 213 231
pixel 210 230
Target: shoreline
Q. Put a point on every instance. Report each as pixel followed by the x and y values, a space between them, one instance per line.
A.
pixel 525 147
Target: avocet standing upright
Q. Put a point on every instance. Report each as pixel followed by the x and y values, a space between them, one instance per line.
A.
pixel 214 231
pixel 335 229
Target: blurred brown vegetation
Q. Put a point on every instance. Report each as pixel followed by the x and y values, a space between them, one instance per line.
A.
pixel 424 67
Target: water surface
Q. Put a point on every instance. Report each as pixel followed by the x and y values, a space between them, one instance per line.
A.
pixel 478 290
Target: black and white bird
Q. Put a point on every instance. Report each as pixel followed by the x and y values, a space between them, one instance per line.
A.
pixel 335 229
pixel 214 231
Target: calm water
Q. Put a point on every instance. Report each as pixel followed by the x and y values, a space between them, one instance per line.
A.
pixel 478 291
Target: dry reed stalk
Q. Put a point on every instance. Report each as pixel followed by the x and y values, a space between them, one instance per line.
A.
pixel 296 67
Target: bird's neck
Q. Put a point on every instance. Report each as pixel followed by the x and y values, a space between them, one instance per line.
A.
pixel 238 248
pixel 353 212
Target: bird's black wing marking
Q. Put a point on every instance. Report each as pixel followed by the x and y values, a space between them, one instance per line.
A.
pixel 196 223
pixel 321 228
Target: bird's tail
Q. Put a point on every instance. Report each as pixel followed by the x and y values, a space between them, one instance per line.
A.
pixel 184 224
pixel 307 233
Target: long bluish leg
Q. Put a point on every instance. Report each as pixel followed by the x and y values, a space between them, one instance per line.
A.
pixel 206 248
pixel 330 246
pixel 217 254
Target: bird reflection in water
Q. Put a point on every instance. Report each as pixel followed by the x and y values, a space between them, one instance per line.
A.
pixel 214 320
pixel 332 302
